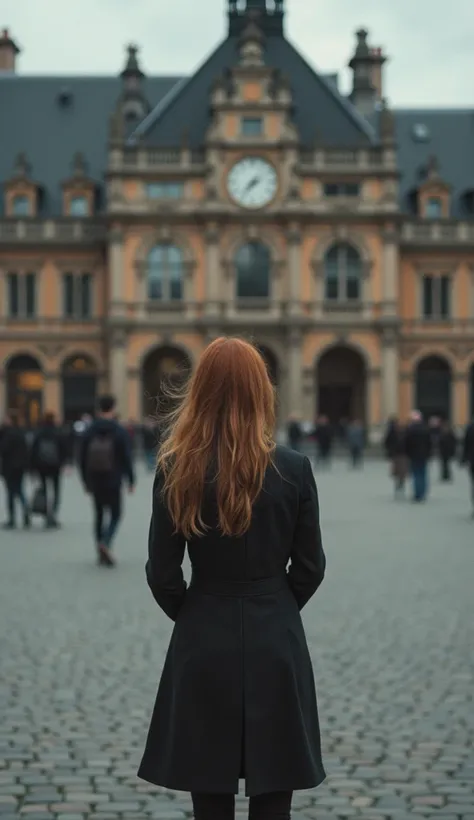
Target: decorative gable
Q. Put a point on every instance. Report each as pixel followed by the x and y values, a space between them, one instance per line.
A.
pixel 21 192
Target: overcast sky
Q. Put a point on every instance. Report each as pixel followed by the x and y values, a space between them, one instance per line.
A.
pixel 430 44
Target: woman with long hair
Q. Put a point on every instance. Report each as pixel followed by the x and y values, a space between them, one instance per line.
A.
pixel 237 696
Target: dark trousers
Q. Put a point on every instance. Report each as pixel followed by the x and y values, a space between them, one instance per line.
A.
pixel 445 469
pixel 275 806
pixel 356 456
pixel 107 504
pixel 419 471
pixel 14 487
pixel 51 485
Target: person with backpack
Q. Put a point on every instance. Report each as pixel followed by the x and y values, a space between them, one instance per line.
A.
pixel 49 455
pixel 105 461
pixel 14 459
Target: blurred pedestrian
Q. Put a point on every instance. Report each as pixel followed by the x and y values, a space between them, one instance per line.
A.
pixel 324 437
pixel 150 437
pixel 395 450
pixel 14 460
pixel 49 456
pixel 467 457
pixel 447 446
pixel 105 462
pixel 355 437
pixel 295 433
pixel 418 448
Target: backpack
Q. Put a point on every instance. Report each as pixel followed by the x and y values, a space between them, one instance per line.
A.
pixel 100 457
pixel 48 453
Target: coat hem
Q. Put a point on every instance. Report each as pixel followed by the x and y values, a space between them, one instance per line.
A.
pixel 290 785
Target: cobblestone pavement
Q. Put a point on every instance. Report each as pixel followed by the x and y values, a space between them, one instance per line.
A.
pixel 391 634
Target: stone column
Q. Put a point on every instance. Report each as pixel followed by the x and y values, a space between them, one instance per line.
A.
pixel 118 371
pixel 390 273
pixel 295 373
pixel 52 399
pixel 214 295
pixel 116 277
pixel 390 378
pixel 460 400
pixel 374 406
pixel 294 269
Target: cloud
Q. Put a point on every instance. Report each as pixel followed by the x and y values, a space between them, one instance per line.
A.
pixel 427 66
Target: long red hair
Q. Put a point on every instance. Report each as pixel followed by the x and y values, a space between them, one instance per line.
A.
pixel 221 431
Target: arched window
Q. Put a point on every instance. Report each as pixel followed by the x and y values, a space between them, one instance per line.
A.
pixel 252 265
pixel 342 274
pixel 165 273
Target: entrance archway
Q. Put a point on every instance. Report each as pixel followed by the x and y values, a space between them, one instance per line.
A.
pixel 271 362
pixel 79 386
pixel 25 383
pixel 433 387
pixel 341 384
pixel 163 367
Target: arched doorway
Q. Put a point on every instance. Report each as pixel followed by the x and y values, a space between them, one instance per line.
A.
pixel 271 362
pixel 79 386
pixel 341 385
pixel 433 387
pixel 162 367
pixel 25 384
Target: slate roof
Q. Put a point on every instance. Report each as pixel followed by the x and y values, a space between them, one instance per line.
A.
pixel 33 121
pixel 450 137
pixel 320 113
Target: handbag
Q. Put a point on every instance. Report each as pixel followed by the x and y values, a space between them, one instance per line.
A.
pixel 38 504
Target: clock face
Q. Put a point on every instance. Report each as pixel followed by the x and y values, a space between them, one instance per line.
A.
pixel 252 182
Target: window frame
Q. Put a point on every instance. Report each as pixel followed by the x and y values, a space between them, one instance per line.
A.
pixel 436 281
pixel 77 278
pixel 25 199
pixel 79 198
pixel 429 201
pixel 257 298
pixel 168 269
pixel 166 186
pixel 342 279
pixel 24 311
pixel 245 121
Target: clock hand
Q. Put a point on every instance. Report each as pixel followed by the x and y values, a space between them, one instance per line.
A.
pixel 253 182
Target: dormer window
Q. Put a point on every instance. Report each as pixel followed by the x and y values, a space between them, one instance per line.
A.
pixel 21 205
pixel 434 207
pixel 79 206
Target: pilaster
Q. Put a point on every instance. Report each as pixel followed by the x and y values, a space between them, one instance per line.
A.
pixel 390 379
pixel 390 273
pixel 213 291
pixel 118 371
pixel 116 271
pixel 295 373
pixel 460 399
pixel 294 269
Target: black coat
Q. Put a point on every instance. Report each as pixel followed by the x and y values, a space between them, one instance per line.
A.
pixel 14 453
pixel 237 696
pixel 418 442
pixel 447 444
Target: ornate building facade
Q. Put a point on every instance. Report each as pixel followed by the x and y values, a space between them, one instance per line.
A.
pixel 142 217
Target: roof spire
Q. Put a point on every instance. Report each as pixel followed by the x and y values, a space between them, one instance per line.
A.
pixel 267 13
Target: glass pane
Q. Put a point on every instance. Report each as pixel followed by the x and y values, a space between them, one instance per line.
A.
pixel 331 189
pixel 78 206
pixel 433 209
pixel 157 254
pixel 30 295
pixel 155 190
pixel 445 297
pixel 21 206
pixel 332 273
pixel 353 287
pixel 253 262
pixel 353 269
pixel 85 296
pixel 252 126
pixel 68 295
pixel 351 189
pixel 174 190
pixel 428 296
pixel 331 290
pixel 13 294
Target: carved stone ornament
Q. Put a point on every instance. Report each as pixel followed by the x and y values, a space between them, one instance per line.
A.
pixel 50 349
pixel 119 339
pixel 408 351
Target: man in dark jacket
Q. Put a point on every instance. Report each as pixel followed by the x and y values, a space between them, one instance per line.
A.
pixel 14 460
pixel 49 454
pixel 468 456
pixel 447 445
pixel 105 461
pixel 418 447
pixel 295 433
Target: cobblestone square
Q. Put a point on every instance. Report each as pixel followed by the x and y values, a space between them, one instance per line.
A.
pixel 391 634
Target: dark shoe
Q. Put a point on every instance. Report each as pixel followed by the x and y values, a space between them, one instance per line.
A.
pixel 26 522
pixel 106 556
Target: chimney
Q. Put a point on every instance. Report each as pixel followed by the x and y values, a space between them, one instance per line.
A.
pixel 8 52
pixel 378 60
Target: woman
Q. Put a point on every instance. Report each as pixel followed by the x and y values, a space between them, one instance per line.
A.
pixel 236 698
